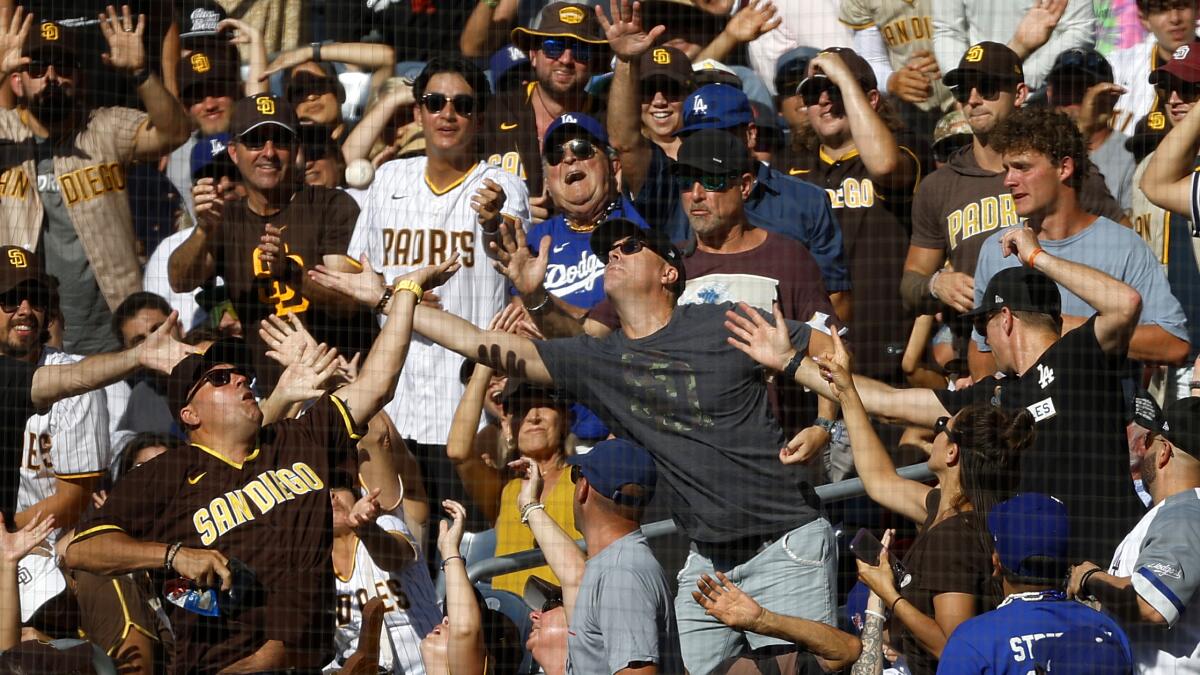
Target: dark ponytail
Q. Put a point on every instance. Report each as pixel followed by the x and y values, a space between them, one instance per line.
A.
pixel 990 444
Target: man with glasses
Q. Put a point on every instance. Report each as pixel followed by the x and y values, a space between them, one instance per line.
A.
pixel 960 205
pixel 65 179
pixel 619 611
pixel 1081 85
pixel 670 381
pixel 246 508
pixel 261 245
pixel 425 209
pixel 565 50
pixel 1151 582
pixel 1169 25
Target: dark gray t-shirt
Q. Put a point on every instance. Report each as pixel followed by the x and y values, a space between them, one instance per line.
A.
pixel 85 311
pixel 700 407
pixel 625 613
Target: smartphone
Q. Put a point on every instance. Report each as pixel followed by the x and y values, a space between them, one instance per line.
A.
pixel 867 548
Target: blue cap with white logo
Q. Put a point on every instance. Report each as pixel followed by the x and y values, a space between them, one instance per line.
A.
pixel 715 106
pixel 571 120
pixel 504 60
pixel 614 463
pixel 210 157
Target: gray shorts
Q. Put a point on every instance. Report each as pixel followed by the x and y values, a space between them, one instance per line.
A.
pixel 793 575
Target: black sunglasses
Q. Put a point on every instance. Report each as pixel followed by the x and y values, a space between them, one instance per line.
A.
pixel 258 139
pixel 554 48
pixel 941 426
pixel 989 89
pixel 310 86
pixel 671 90
pixel 810 90
pixel 218 378
pixel 980 323
pixel 464 104
pixel 553 603
pixel 1189 92
pixel 581 148
pixel 711 182
pixel 38 298
pixel 38 69
pixel 576 474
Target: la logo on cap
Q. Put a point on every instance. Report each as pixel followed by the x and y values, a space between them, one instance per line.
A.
pixel 571 15
pixel 661 56
pixel 699 106
pixel 50 32
pixel 568 119
pixel 200 63
pixel 1181 53
pixel 997 299
pixel 265 105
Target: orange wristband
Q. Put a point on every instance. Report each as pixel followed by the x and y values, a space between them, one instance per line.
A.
pixel 1033 256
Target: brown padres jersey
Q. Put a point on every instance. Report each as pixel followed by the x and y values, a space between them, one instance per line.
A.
pixel 874 232
pixel 271 512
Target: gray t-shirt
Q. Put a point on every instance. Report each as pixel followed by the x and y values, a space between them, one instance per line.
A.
pixel 1117 164
pixel 1115 250
pixel 85 311
pixel 179 172
pixel 700 407
pixel 625 613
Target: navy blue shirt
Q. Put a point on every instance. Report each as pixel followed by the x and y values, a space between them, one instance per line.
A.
pixel 778 203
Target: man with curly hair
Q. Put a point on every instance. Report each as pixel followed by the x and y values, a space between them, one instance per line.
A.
pixel 1042 153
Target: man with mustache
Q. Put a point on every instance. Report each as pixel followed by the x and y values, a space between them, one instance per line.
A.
pixel 262 244
pixel 64 181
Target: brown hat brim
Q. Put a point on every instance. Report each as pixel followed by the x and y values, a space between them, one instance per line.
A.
pixel 523 38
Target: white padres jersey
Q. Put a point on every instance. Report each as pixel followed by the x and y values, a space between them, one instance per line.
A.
pixel 408 595
pixel 405 225
pixel 69 441
pixel 1150 221
pixel 1131 69
pixel 906 27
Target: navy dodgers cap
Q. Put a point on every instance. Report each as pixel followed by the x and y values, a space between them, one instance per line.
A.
pixel 614 463
pixel 715 106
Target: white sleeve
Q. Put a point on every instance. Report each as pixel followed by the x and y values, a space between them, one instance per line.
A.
pixel 367 237
pixel 79 429
pixel 1077 28
pixel 868 42
pixel 951 33
pixel 516 196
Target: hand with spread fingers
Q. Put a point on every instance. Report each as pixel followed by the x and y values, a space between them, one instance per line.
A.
pixel 515 261
pixel 160 350
pixel 365 286
pixel 626 38
pixel 16 545
pixel 308 376
pixel 724 601
pixel 14 31
pixel 366 510
pixel 753 21
pixel 286 338
pixel 126 51
pixel 769 344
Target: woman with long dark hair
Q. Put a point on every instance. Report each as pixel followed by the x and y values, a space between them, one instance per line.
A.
pixel 976 459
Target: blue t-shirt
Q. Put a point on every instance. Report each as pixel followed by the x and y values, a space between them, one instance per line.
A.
pixel 1005 641
pixel 778 203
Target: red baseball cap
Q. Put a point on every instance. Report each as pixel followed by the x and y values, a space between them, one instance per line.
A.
pixel 1184 65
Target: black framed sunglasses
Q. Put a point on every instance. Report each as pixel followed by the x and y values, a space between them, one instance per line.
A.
pixel 464 104
pixel 810 90
pixel 989 89
pixel 942 426
pixel 1189 92
pixel 38 69
pixel 218 378
pixel 554 48
pixel 581 148
pixel 576 474
pixel 257 139
pixel 38 298
pixel 629 246
pixel 553 603
pixel 711 182
pixel 671 90
pixel 980 323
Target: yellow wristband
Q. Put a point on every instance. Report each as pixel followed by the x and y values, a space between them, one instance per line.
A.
pixel 410 286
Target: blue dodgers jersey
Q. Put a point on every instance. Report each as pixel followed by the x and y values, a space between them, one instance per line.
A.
pixel 1005 640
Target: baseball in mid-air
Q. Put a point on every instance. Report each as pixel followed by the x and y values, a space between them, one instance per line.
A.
pixel 360 173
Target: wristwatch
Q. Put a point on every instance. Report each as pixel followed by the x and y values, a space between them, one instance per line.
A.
pixel 789 371
pixel 825 423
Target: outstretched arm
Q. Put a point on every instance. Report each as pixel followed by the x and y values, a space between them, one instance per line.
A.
pixel 466 653
pixel 562 554
pixel 13 547
pixel 1168 178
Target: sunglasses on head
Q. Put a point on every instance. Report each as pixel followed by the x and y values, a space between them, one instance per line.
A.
pixel 218 378
pixel 1069 89
pixel 464 104
pixel 38 69
pixel 257 139
pixel 38 298
pixel 811 89
pixel 989 89
pixel 627 247
pixel 554 48
pixel 942 426
pixel 581 148
pixel 711 182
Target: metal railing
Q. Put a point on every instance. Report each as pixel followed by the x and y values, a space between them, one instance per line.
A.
pixel 833 492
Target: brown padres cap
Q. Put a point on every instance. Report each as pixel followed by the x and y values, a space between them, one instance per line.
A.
pixel 51 37
pixel 667 62
pixel 561 19
pixel 17 265
pixel 987 58
pixel 254 111
pixel 857 65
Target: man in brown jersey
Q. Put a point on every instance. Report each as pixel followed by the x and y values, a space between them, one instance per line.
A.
pixel 251 493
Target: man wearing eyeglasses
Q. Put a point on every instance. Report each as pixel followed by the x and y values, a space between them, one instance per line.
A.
pixel 64 189
pixel 565 50
pixel 961 204
pixel 1151 582
pixel 261 245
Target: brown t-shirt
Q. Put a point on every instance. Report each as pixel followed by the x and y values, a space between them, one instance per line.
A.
pixel 315 223
pixel 271 512
pixel 949 557
pixel 961 204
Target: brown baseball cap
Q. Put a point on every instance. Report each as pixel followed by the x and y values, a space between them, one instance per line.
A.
pixel 212 64
pixel 183 378
pixel 53 38
pixel 1184 65
pixel 561 19
pixel 667 62
pixel 17 266
pixel 255 111
pixel 987 58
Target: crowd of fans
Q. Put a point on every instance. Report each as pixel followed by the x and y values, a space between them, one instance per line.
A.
pixel 307 309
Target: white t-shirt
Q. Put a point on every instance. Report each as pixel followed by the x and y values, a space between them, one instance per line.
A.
pixel 405 225
pixel 154 280
pixel 409 598
pixel 1131 69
